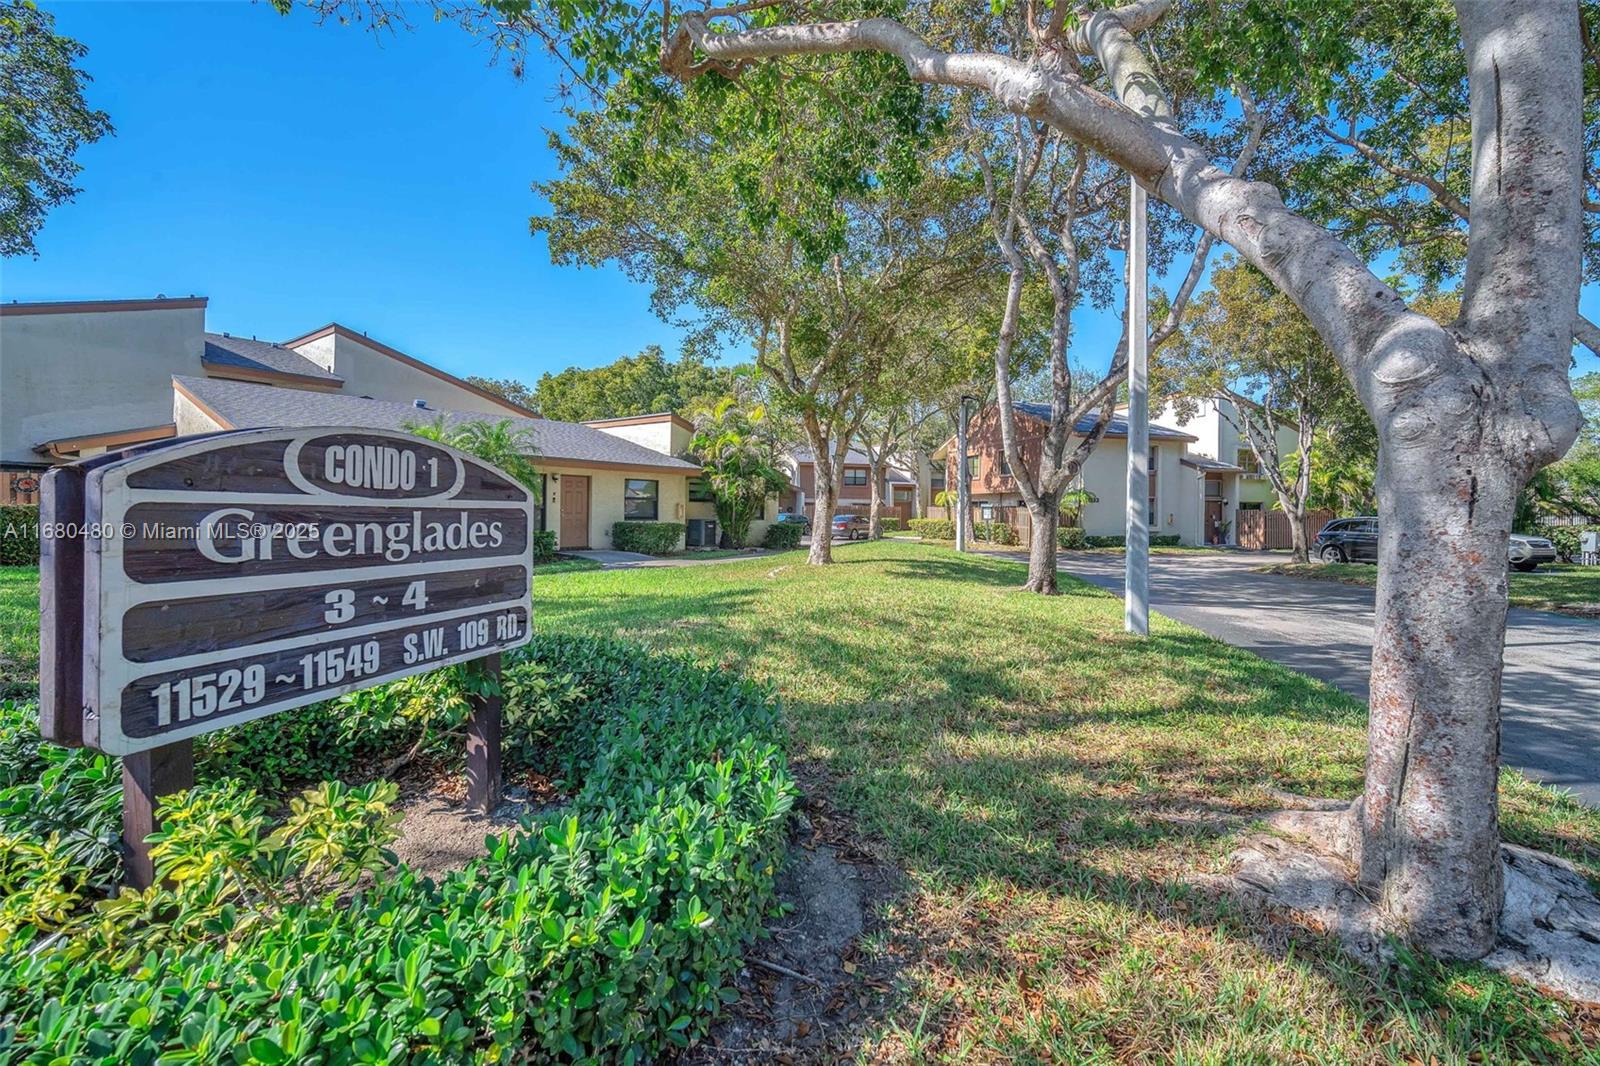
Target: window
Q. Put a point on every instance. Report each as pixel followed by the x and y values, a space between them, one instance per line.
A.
pixel 1249 462
pixel 936 480
pixel 855 475
pixel 1154 453
pixel 641 500
pixel 1213 488
pixel 700 491
pixel 1005 465
pixel 972 466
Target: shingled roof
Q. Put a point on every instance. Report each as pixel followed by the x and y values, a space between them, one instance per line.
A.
pixel 1118 427
pixel 242 405
pixel 262 357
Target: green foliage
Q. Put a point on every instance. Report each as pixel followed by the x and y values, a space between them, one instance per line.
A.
pixel 1157 540
pixel 1071 538
pixel 292 749
pixel 608 930
pixel 1567 539
pixel 890 523
pixel 933 528
pixel 44 120
pixel 738 463
pixel 643 384
pixel 19 536
pixel 782 536
pixel 499 443
pixel 651 538
pixel 544 545
pixel 508 389
pixel 994 532
pixel 1072 503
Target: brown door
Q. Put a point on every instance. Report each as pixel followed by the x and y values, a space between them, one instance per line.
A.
pixel 903 495
pixel 1213 521
pixel 574 512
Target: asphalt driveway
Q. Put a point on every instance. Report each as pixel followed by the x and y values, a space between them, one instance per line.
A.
pixel 1551 696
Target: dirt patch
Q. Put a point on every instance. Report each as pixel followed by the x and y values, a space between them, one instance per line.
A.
pixel 439 834
pixel 809 991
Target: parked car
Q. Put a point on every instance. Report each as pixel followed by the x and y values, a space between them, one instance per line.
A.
pixel 850 526
pixel 1355 540
pixel 795 517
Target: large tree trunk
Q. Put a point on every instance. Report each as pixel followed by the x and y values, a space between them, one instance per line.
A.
pixel 822 523
pixel 875 511
pixel 1299 536
pixel 1429 819
pixel 1042 546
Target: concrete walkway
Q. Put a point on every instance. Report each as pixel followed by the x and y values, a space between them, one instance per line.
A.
pixel 1551 695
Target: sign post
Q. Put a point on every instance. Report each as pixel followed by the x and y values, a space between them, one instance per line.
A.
pixel 211 581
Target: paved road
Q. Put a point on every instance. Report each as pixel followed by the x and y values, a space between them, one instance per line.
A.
pixel 1551 699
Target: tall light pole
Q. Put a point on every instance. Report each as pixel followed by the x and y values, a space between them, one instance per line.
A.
pixel 1136 593
pixel 963 484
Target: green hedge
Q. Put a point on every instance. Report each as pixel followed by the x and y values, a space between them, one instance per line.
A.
pixel 544 545
pixel 994 533
pixel 610 929
pixel 933 528
pixel 1071 538
pixel 890 525
pixel 1158 540
pixel 1567 539
pixel 782 536
pixel 652 538
pixel 19 536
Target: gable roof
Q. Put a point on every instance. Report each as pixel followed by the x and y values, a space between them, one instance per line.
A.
pixel 335 329
pixel 242 405
pixel 263 357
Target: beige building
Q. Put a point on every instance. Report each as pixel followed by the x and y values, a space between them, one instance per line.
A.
pixel 79 378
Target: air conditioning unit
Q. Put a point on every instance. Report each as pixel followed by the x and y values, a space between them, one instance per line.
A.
pixel 702 533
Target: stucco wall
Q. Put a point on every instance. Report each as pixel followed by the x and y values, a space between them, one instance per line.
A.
pixel 78 373
pixel 665 436
pixel 188 417
pixel 605 499
pixel 369 372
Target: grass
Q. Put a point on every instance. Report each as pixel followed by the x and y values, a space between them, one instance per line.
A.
pixel 1561 587
pixel 714 553
pixel 19 629
pixel 567 565
pixel 1048 784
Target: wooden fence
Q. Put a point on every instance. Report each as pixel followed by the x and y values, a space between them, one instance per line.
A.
pixel 1267 530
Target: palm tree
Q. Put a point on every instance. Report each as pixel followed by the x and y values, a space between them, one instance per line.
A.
pixel 500 443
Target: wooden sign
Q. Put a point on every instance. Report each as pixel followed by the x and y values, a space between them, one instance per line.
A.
pixel 248 573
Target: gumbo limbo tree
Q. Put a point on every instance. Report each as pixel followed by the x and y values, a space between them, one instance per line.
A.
pixel 1465 412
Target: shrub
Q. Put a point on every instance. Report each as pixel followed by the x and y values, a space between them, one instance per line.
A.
pixel 782 536
pixel 1157 540
pixel 994 532
pixel 933 528
pixel 890 525
pixel 19 536
pixel 544 545
pixel 1568 539
pixel 1071 538
pixel 607 930
pixel 652 538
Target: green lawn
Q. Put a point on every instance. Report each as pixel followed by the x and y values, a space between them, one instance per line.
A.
pixel 1561 587
pixel 1047 783
pixel 19 629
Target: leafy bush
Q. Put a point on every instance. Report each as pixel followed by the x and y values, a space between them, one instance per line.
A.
pixel 933 528
pixel 544 545
pixel 994 532
pixel 607 930
pixel 652 538
pixel 890 525
pixel 1071 538
pixel 1568 539
pixel 19 536
pixel 784 535
pixel 1157 540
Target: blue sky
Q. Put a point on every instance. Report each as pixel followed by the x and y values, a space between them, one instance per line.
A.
pixel 298 174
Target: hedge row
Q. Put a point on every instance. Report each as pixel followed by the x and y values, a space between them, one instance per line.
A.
pixel 19 536
pixel 1568 539
pixel 1072 538
pixel 1157 540
pixel 608 930
pixel 890 525
pixel 783 536
pixel 933 528
pixel 544 545
pixel 651 538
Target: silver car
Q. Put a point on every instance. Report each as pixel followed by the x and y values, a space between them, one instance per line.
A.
pixel 1528 552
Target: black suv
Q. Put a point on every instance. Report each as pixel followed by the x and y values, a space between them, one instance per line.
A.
pixel 1355 540
pixel 1348 540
